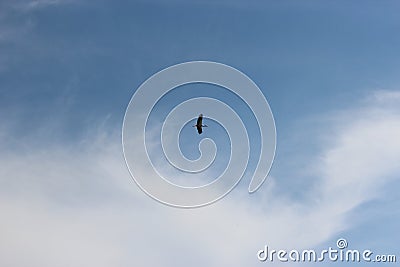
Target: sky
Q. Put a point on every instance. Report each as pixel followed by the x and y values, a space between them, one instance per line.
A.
pixel 68 69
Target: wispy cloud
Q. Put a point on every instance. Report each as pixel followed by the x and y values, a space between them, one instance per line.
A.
pixel 15 21
pixel 76 205
pixel 16 27
pixel 32 5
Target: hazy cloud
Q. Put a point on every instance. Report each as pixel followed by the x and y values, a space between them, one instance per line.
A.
pixel 76 205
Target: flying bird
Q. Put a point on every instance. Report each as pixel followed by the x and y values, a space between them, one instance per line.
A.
pixel 199 124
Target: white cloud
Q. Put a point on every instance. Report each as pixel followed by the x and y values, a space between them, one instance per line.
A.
pixel 77 206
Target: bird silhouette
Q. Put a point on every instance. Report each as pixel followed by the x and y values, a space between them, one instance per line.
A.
pixel 199 124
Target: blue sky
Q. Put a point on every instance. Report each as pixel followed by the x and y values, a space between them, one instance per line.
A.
pixel 68 68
